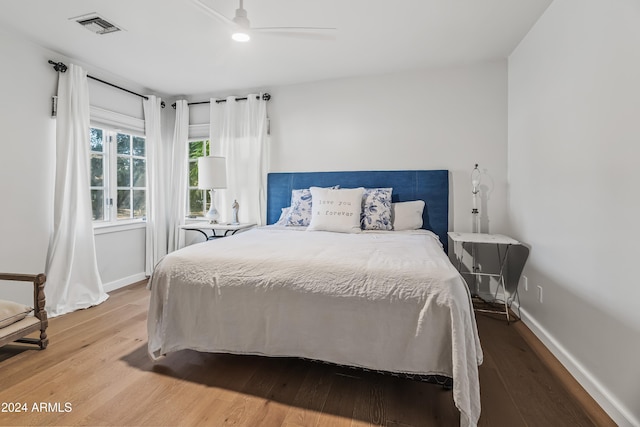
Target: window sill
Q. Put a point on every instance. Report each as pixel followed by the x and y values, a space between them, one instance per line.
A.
pixel 110 227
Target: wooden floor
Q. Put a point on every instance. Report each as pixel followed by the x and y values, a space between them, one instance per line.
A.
pixel 96 372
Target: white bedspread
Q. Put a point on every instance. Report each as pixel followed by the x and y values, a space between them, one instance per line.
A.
pixel 381 300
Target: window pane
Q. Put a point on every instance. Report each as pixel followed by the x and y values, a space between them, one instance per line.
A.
pixel 193 174
pixel 124 171
pixel 97 204
pixel 196 149
pixel 139 173
pixel 196 204
pixel 138 146
pixel 124 143
pixel 96 139
pixel 97 170
pixel 139 204
pixel 124 204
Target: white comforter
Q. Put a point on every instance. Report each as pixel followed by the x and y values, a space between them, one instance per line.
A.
pixel 389 301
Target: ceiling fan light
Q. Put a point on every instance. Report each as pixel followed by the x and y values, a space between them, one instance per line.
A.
pixel 241 37
pixel 242 31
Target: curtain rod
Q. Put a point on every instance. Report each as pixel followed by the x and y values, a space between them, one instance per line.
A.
pixel 265 97
pixel 62 68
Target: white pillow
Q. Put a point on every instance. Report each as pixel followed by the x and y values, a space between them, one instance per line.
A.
pixel 407 215
pixel 12 312
pixel 336 210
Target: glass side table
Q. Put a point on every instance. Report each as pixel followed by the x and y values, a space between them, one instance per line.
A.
pixel 510 285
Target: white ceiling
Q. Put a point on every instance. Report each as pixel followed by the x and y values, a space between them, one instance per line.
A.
pixel 171 47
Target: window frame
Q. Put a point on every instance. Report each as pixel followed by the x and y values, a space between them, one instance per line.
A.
pixel 110 176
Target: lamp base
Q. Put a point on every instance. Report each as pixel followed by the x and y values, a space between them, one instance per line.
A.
pixel 476 221
pixel 212 214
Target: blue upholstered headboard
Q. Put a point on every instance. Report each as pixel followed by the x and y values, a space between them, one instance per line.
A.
pixel 432 186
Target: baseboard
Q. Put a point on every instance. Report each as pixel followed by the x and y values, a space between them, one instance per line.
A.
pixel 121 283
pixel 618 413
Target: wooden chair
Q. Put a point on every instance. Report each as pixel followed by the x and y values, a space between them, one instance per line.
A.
pixel 19 330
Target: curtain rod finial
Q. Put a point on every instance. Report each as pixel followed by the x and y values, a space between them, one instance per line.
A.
pixel 58 66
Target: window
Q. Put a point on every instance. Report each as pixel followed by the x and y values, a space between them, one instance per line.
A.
pixel 98 180
pixel 198 199
pixel 118 174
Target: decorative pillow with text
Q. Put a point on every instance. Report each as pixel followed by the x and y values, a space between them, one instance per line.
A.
pixel 336 210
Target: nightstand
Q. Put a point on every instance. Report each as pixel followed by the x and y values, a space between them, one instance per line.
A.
pixel 510 263
pixel 228 229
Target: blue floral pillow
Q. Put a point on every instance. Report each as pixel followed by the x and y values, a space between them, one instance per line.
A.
pixel 300 209
pixel 376 209
pixel 283 216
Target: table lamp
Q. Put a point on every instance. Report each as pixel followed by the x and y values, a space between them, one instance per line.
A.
pixel 212 175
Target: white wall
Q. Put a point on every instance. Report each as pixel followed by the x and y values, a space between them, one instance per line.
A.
pixel 121 257
pixel 448 118
pixel 574 147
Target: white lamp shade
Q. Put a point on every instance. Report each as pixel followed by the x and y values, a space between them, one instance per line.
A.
pixel 212 172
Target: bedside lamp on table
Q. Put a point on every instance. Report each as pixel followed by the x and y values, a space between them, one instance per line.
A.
pixel 212 175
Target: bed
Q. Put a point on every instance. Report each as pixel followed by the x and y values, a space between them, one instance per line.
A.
pixel 381 300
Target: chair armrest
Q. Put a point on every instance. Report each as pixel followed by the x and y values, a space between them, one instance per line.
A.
pixel 38 281
pixel 35 278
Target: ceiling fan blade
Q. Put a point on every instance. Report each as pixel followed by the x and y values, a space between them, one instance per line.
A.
pixel 212 12
pixel 309 33
pixel 305 35
pixel 295 29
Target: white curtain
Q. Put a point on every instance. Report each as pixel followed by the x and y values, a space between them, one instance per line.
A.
pixel 239 133
pixel 178 177
pixel 73 280
pixel 156 235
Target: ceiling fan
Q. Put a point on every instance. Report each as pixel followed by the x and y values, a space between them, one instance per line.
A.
pixel 242 29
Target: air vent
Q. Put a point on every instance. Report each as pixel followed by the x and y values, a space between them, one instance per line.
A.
pixel 97 24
